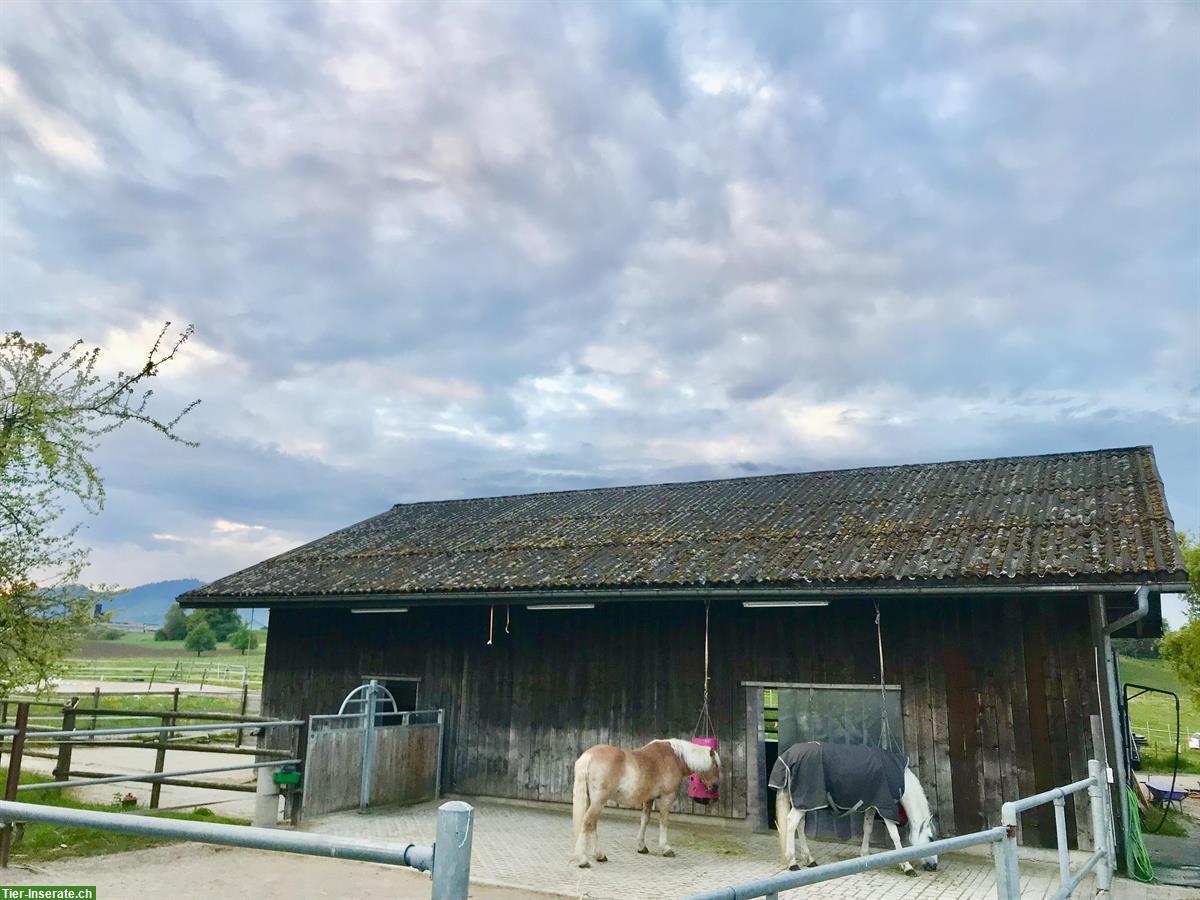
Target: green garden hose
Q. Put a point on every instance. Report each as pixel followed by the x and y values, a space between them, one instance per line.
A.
pixel 1142 869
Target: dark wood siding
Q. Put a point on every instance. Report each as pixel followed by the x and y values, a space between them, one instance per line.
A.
pixel 997 691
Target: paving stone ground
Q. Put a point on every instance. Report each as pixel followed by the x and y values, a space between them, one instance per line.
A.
pixel 528 848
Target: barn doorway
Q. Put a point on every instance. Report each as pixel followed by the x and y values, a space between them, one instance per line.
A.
pixel 405 689
pixel 782 714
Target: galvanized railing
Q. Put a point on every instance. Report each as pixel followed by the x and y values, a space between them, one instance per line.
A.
pixel 1102 859
pixel 449 859
pixel 1003 839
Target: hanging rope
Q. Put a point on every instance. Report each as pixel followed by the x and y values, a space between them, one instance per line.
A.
pixel 491 623
pixel 885 729
pixel 705 720
pixel 506 611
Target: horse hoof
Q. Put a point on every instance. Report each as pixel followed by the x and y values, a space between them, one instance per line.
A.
pixel 812 864
pixel 643 849
pixel 585 865
pixel 793 868
pixel 911 873
pixel 669 854
pixel 601 858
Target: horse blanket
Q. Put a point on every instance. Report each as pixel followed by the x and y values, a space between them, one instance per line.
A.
pixel 841 776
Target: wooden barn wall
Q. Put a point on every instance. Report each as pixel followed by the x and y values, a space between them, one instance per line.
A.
pixel 996 691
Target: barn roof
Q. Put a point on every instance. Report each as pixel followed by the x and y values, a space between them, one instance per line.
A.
pixel 1096 516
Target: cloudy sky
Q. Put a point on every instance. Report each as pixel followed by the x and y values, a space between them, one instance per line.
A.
pixel 442 250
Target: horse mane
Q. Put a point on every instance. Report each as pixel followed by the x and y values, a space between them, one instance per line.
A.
pixel 695 756
pixel 914 801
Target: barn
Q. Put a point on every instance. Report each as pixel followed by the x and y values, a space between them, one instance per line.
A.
pixel 544 623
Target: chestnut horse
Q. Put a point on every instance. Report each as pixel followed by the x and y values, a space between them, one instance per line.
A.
pixel 635 778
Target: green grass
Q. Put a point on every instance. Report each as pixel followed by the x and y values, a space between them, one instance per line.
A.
pixel 45 843
pixel 1171 827
pixel 98 658
pixel 1153 715
pixel 227 703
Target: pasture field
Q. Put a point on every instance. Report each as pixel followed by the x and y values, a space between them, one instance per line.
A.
pixel 46 843
pixel 138 657
pixel 1153 715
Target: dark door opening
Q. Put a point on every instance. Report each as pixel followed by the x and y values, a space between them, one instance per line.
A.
pixel 834 713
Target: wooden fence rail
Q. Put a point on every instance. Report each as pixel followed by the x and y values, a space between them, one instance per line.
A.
pixel 26 740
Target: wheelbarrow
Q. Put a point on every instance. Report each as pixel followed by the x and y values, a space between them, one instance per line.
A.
pixel 1161 796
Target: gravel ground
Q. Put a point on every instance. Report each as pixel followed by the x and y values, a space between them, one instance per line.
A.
pixel 194 872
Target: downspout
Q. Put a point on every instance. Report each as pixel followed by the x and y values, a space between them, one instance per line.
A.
pixel 1119 740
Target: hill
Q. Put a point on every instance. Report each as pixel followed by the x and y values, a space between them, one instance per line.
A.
pixel 147 603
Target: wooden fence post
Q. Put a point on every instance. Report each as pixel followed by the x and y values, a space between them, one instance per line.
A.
pixel 14 778
pixel 245 696
pixel 95 703
pixel 160 759
pixel 294 808
pixel 62 768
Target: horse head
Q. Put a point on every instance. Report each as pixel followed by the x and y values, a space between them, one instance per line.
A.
pixel 922 827
pixel 924 832
pixel 710 777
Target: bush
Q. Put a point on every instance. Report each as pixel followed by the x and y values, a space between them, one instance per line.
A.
pixel 102 632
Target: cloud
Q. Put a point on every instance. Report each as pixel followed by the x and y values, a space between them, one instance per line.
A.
pixel 436 251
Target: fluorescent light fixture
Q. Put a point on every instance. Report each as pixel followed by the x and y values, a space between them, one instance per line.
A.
pixel 389 609
pixel 563 606
pixel 773 604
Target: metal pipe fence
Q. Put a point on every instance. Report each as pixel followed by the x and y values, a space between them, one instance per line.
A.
pixel 449 858
pixel 32 740
pixel 786 881
pixel 156 776
pixel 71 735
pixel 1002 838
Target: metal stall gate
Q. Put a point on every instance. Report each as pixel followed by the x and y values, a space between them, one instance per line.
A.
pixel 371 754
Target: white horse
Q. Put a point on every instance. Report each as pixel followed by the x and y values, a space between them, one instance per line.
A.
pixel 634 778
pixel 789 821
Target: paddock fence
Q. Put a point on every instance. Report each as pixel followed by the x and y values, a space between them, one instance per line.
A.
pixel 448 859
pixel 1002 838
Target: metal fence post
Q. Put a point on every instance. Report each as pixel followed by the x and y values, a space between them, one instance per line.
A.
pixel 437 780
pixel 368 755
pixel 266 798
pixel 1101 824
pixel 452 851
pixel 1004 852
pixel 1060 831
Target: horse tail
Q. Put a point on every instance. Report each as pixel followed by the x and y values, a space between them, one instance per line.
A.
pixel 580 798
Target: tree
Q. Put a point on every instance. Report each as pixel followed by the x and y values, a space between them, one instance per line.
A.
pixel 1190 545
pixel 200 637
pixel 1182 650
pixel 54 409
pixel 175 625
pixel 223 622
pixel 243 639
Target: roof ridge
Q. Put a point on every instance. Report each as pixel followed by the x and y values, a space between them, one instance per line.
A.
pixel 735 478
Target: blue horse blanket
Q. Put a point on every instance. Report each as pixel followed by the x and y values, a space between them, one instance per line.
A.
pixel 842 777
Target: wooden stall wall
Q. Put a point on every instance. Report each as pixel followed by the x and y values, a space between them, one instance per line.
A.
pixel 997 691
